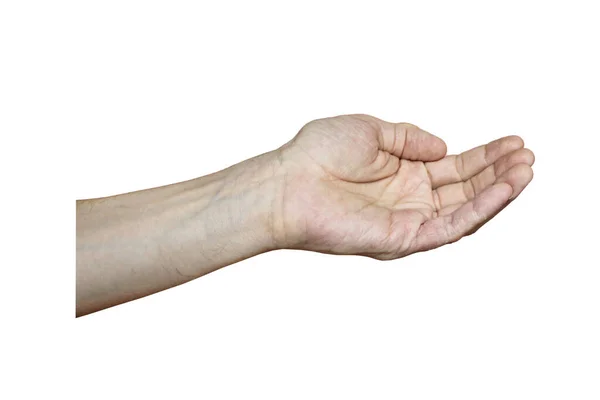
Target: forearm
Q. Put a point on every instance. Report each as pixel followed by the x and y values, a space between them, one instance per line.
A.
pixel 135 244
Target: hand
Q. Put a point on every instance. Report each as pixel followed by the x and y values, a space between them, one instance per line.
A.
pixel 355 184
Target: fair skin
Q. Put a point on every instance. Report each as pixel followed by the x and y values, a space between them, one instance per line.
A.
pixel 351 184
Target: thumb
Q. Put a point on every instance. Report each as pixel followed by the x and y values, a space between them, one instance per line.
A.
pixel 410 142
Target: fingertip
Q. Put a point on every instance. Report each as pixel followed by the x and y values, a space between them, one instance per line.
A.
pixel 505 145
pixel 524 156
pixel 523 173
pixel 425 146
pixel 516 141
pixel 518 177
pixel 506 189
pixel 506 162
pixel 441 147
pixel 435 150
pixel 530 156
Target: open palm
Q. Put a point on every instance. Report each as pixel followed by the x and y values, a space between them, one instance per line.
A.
pixel 360 185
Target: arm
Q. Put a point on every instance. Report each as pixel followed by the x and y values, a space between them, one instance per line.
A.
pixel 351 184
pixel 136 244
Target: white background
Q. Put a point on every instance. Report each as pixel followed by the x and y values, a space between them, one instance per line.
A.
pixel 99 98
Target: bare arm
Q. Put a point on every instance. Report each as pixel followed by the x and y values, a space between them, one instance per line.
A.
pixel 351 184
pixel 135 244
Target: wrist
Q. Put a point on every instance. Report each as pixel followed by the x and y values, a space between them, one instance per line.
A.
pixel 239 209
pixel 296 175
pixel 249 195
pixel 250 206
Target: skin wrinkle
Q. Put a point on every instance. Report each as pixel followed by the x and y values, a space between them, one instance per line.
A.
pixel 469 189
pixel 381 138
pixel 275 205
pixel 459 165
pixel 395 138
pixel 486 154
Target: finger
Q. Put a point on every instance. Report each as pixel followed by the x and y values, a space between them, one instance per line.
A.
pixel 411 142
pixel 518 177
pixel 461 192
pixel 463 166
pixel 450 228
